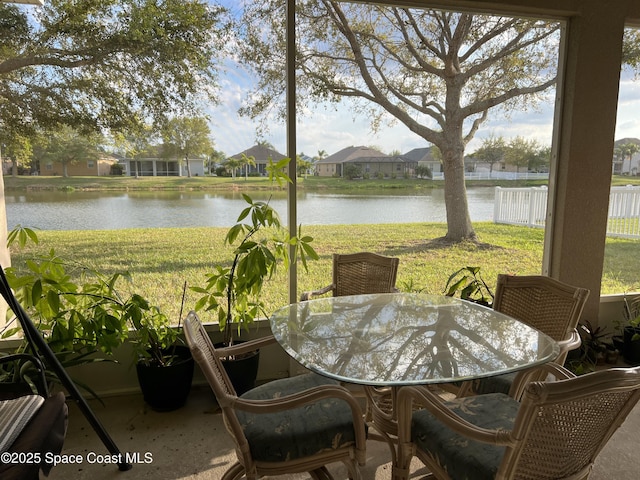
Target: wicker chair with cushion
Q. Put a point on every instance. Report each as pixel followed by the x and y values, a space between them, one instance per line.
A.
pixel 555 431
pixel 291 425
pixel 359 273
pixel 31 425
pixel 551 306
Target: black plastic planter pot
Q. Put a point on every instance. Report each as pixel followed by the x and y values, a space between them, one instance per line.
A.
pixel 242 371
pixel 631 348
pixel 167 388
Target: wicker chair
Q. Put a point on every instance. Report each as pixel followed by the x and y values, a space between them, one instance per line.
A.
pixel 291 425
pixel 359 273
pixel 549 305
pixel 30 422
pixel 555 431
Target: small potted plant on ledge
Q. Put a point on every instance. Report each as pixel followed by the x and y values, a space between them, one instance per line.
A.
pixel 163 362
pixel 233 292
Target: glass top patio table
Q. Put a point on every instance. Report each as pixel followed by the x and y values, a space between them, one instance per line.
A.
pixel 404 338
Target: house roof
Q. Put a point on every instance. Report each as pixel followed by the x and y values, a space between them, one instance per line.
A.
pixel 420 155
pixel 261 154
pixel 383 159
pixel 624 141
pixel 352 153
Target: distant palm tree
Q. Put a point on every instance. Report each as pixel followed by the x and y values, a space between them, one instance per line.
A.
pixel 628 150
pixel 303 166
pixel 232 164
pixel 321 154
pixel 265 143
pixel 246 162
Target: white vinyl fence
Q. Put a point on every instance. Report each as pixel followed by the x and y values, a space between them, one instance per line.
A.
pixel 528 206
pixel 499 175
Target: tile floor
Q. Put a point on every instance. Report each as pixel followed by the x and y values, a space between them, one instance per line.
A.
pixel 191 443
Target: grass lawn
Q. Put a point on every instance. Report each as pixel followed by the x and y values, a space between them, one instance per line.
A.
pixel 162 259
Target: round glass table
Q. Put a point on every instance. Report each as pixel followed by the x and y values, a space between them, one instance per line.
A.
pixel 400 339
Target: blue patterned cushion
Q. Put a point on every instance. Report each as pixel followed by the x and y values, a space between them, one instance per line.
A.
pixel 462 458
pixel 497 384
pixel 304 431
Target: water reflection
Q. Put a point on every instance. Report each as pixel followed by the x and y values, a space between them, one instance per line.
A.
pixel 116 210
pixel 406 338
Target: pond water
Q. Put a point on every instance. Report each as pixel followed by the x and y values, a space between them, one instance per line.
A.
pixel 117 210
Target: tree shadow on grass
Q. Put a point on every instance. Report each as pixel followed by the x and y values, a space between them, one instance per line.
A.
pixel 440 243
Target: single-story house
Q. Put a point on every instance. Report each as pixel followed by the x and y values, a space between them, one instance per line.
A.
pixel 371 162
pixel 261 155
pixel 161 167
pixel 82 168
pixel 424 157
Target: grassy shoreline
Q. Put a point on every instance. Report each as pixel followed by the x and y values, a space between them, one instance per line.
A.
pixel 160 260
pixel 311 183
pixel 26 183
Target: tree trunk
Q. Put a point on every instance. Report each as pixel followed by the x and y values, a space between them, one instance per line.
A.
pixel 14 168
pixel 5 257
pixel 65 173
pixel 186 159
pixel 459 226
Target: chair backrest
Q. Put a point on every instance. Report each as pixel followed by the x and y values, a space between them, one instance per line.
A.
pixel 565 424
pixel 547 304
pixel 365 272
pixel 204 353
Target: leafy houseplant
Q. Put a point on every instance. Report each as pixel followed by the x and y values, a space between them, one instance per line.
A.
pixel 631 330
pixel 233 293
pixel 594 350
pixel 85 320
pixel 164 365
pixel 469 285
pixel 154 338
pixel 76 318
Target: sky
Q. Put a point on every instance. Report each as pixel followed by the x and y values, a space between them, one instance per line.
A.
pixel 331 130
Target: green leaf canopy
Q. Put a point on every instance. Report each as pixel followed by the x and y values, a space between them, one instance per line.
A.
pixel 94 64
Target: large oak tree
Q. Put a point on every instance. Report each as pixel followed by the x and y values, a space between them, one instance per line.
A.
pixel 96 65
pixel 107 64
pixel 439 73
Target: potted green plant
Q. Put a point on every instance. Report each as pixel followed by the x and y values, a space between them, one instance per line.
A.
pixel 85 320
pixel 631 331
pixel 595 349
pixel 76 318
pixel 260 243
pixel 468 284
pixel 164 365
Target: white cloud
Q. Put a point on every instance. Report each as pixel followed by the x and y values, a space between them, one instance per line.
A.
pixel 628 119
pixel 325 129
